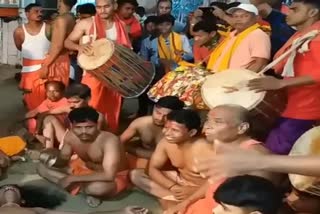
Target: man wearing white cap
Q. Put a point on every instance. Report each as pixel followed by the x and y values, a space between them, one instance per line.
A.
pixel 247 47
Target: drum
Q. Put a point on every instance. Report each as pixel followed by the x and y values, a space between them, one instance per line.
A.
pixel 118 67
pixel 307 144
pixel 265 107
pixel 185 83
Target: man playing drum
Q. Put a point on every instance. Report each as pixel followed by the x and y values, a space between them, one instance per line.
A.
pixel 100 170
pixel 180 144
pixel 149 130
pixel 103 25
pixel 247 47
pixel 226 124
pixel 301 79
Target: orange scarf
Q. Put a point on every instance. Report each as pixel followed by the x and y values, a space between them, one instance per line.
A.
pixel 133 26
pixel 122 35
pixel 279 67
pixel 170 52
pixel 223 56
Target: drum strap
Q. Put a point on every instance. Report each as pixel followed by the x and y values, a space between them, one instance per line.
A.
pixel 302 43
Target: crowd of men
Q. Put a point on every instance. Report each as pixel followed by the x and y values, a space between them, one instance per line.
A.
pixel 190 166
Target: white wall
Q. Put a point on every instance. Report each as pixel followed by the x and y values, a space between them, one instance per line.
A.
pixel 8 52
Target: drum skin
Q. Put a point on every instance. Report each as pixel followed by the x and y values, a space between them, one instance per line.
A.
pixel 265 107
pixel 118 68
pixel 307 144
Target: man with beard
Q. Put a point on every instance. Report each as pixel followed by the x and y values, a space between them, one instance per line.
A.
pixel 100 170
pixel 301 78
pixel 26 37
pixel 149 131
pixel 106 25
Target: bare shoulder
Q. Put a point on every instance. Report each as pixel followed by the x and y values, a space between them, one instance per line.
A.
pixel 85 22
pixel 259 148
pixel 19 30
pixel 142 121
pixel 201 144
pixel 108 137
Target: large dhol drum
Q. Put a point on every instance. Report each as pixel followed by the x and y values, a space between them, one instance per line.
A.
pixel 118 67
pixel 308 144
pixel 265 107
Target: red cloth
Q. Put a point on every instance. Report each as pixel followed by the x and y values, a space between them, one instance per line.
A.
pixel 48 105
pixel 134 26
pixel 104 99
pixel 35 87
pixel 303 101
pixel 201 53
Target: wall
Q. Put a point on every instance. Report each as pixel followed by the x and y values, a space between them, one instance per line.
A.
pixel 8 52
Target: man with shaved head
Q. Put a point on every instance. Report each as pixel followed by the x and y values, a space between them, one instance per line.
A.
pixel 226 124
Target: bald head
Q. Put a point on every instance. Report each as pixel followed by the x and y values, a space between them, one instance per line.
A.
pixel 234 113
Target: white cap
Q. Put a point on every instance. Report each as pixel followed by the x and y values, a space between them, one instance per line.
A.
pixel 247 7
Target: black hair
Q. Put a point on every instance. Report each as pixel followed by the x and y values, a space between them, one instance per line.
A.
pixel 205 26
pixel 83 114
pixel 30 6
pixel 132 2
pixel 187 117
pixel 159 1
pixel 141 11
pixel 315 3
pixel 70 3
pixel 165 18
pixel 87 9
pixel 60 84
pixel 39 196
pixel 170 102
pixel 78 90
pixel 250 192
pixel 151 19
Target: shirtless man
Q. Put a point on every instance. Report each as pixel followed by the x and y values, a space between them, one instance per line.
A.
pixel 51 128
pixel 57 63
pixel 226 124
pixel 149 130
pixel 26 37
pixel 16 200
pixel 100 170
pixel 179 145
pixel 106 26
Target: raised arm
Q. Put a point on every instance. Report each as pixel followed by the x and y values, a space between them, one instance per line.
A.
pixel 157 162
pixel 18 37
pixel 72 42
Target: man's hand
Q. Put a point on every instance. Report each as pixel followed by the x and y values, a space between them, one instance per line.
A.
pixel 66 182
pixel 264 10
pixel 265 84
pixel 226 162
pixel 182 192
pixel 218 12
pixel 44 72
pixel 198 13
pixel 178 209
pixel 86 49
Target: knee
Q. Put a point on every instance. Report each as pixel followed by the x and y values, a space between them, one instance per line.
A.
pixel 100 189
pixel 136 176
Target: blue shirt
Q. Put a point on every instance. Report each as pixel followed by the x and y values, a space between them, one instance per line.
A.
pixel 154 56
pixel 281 31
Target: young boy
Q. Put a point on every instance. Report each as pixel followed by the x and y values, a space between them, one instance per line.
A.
pixel 55 99
pixel 247 195
pixel 77 95
pixel 169 48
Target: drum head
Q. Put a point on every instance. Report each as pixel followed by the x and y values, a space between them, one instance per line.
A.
pixel 308 144
pixel 103 50
pixel 214 93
